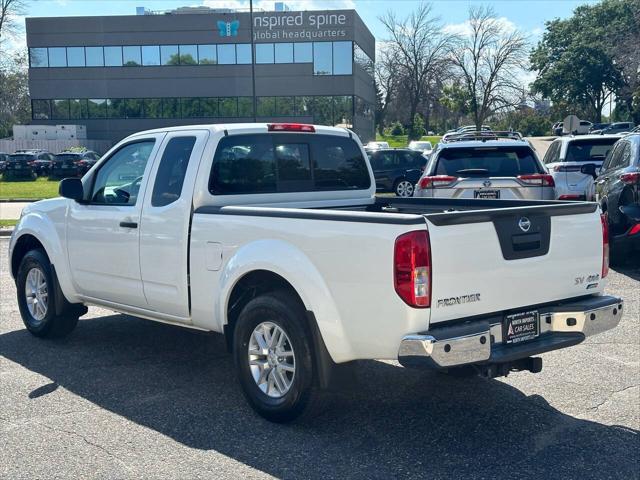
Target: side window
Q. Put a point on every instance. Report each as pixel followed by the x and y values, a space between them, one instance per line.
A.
pixel 338 164
pixel 171 171
pixel 118 180
pixel 550 155
pixel 625 156
pixel 611 158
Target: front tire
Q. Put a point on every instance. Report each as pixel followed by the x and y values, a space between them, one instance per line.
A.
pixel 38 298
pixel 273 357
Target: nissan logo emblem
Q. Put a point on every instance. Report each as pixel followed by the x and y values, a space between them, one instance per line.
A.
pixel 525 224
pixel 487 183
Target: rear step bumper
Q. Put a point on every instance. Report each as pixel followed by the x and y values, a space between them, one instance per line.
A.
pixel 480 342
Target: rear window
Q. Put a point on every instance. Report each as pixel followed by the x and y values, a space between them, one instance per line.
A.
pixel 66 157
pixel 270 163
pixel 487 162
pixel 589 150
pixel 22 156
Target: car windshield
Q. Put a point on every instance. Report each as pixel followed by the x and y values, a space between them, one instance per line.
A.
pixel 420 145
pixel 487 162
pixel 589 150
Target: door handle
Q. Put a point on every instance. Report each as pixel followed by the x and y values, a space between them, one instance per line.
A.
pixel 129 224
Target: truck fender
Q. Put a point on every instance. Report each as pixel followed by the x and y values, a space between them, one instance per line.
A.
pixel 41 228
pixel 290 263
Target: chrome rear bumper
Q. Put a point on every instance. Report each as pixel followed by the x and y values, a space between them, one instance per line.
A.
pixel 480 341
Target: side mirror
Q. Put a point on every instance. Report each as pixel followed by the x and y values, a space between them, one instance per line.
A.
pixel 71 188
pixel 589 169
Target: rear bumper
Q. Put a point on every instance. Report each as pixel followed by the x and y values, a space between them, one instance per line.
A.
pixel 480 342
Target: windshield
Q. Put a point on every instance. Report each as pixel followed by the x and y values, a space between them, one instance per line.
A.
pixel 487 162
pixel 589 150
pixel 67 156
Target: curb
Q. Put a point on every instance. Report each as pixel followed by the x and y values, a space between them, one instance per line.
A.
pixel 6 233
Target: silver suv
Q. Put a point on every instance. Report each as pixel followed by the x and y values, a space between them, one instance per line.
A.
pixel 487 168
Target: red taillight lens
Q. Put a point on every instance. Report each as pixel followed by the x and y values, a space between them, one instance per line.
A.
pixel 570 197
pixel 630 178
pixel 290 127
pixel 412 268
pixel 634 230
pixel 605 245
pixel 537 180
pixel 437 181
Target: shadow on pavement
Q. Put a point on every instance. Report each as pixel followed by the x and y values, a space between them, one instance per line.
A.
pixel 390 422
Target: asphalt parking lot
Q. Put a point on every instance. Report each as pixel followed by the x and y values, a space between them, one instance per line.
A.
pixel 128 398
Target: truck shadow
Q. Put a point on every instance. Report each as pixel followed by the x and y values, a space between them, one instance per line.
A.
pixel 389 422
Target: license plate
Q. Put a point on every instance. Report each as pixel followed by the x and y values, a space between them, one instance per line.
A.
pixel 486 194
pixel 18 166
pixel 520 327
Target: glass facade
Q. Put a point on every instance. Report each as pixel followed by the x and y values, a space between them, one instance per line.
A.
pixel 325 110
pixel 328 58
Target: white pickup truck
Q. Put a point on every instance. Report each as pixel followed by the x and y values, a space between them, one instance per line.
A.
pixel 271 234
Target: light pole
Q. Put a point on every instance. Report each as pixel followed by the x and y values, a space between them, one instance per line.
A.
pixel 253 66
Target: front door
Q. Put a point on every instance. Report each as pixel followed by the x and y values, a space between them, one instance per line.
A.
pixel 103 233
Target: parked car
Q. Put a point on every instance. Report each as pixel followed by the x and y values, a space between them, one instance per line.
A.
pixel 72 164
pixel 376 145
pixel 423 146
pixel 583 128
pixel 18 166
pixel 618 127
pixel 495 168
pixel 302 268
pixel 3 160
pixel 556 129
pixel 43 163
pixel 397 170
pixel 618 192
pixel 566 158
pixel 465 129
pixel 599 126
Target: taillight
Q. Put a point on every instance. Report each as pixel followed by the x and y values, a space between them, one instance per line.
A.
pixel 605 245
pixel 570 197
pixel 290 127
pixel 437 181
pixel 412 268
pixel 630 178
pixel 537 180
pixel 634 230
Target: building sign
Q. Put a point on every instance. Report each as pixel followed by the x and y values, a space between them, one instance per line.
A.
pixel 228 29
pixel 299 26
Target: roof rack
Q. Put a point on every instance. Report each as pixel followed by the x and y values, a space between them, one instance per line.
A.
pixel 483 136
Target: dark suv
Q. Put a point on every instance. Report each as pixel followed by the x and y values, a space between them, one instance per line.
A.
pixel 19 166
pixel 397 170
pixel 73 164
pixel 618 191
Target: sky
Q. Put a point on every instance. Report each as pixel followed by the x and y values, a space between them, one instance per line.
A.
pixel 528 16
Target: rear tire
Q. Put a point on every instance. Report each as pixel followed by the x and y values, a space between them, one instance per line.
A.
pixel 45 312
pixel 404 188
pixel 273 351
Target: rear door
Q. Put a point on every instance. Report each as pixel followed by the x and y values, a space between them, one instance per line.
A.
pixel 504 259
pixel 384 165
pixel 164 227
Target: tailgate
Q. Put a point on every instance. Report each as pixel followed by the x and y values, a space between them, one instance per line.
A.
pixel 505 259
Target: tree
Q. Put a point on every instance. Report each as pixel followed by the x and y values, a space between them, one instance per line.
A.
pixel 14 94
pixel 386 83
pixel 588 58
pixel 421 50
pixel 489 61
pixel 9 9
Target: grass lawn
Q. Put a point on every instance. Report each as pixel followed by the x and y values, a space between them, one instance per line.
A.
pixel 31 189
pixel 8 223
pixel 401 141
